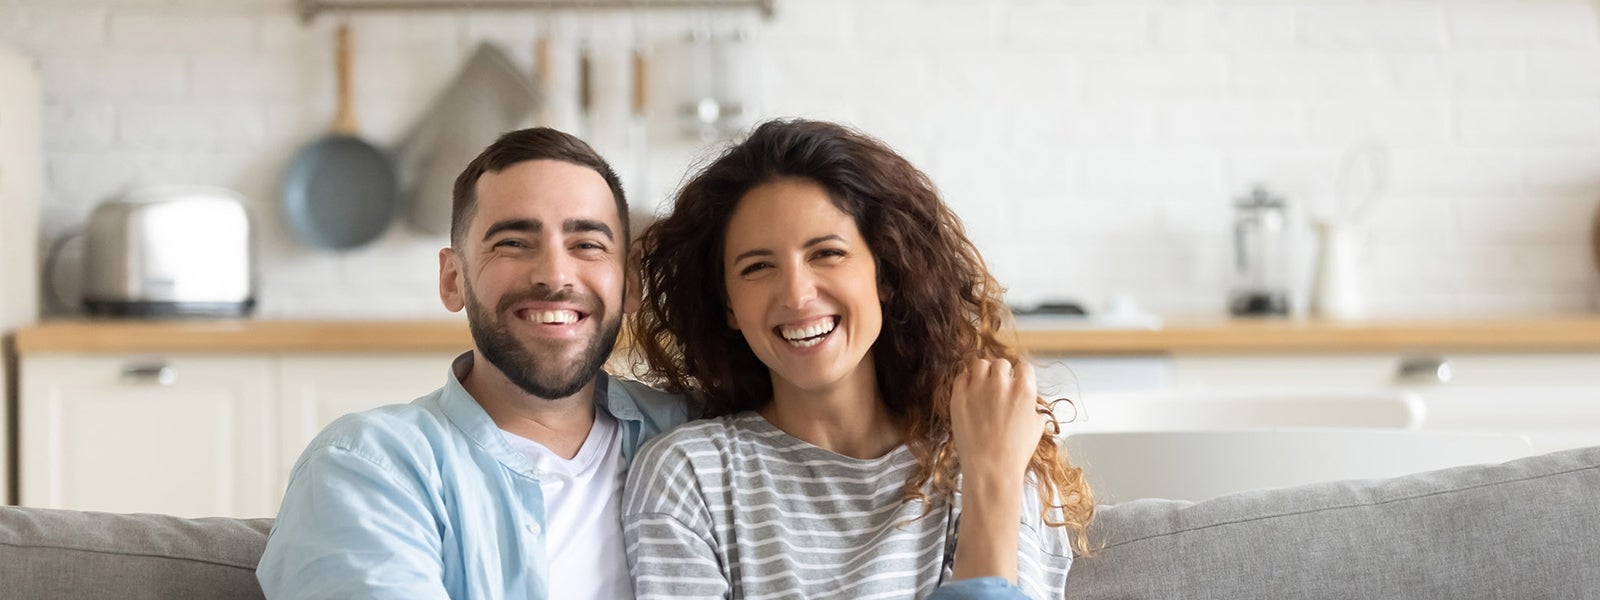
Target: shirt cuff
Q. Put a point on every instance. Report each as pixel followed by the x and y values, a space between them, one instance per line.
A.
pixel 978 588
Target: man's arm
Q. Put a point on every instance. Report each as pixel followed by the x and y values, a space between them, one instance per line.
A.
pixel 351 528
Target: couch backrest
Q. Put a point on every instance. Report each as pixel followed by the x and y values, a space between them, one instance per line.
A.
pixel 71 554
pixel 1529 528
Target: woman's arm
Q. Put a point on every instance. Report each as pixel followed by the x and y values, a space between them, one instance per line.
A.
pixel 995 427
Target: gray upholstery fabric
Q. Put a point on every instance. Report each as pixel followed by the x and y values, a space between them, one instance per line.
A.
pixel 1526 529
pixel 1529 528
pixel 70 554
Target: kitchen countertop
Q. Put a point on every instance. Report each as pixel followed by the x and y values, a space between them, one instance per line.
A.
pixel 1577 333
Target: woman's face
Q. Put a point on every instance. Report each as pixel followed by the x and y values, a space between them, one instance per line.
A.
pixel 802 285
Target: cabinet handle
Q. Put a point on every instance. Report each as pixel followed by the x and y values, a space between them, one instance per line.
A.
pixel 159 374
pixel 1429 370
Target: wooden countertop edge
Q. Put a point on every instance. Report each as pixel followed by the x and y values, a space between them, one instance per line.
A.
pixel 1553 334
pixel 245 336
pixel 1544 334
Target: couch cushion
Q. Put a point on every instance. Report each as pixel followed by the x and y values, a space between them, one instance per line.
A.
pixel 1529 528
pixel 70 554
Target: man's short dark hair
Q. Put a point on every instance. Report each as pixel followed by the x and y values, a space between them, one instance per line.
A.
pixel 538 143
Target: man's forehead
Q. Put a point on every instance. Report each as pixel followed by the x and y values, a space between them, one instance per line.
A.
pixel 544 190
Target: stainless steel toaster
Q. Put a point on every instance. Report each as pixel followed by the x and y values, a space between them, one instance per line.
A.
pixel 170 251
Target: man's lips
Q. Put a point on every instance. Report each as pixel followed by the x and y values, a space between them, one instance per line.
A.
pixel 550 314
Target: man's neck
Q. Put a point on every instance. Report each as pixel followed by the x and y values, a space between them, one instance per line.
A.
pixel 560 424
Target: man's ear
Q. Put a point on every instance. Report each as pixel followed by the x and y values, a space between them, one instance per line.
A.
pixel 452 282
pixel 633 281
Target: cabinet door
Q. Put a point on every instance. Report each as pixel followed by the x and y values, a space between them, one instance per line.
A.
pixel 5 432
pixel 183 435
pixel 1553 399
pixel 317 389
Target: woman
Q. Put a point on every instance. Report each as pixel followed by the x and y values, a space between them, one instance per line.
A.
pixel 813 288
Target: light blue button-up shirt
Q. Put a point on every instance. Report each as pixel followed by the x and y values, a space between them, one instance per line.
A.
pixel 428 500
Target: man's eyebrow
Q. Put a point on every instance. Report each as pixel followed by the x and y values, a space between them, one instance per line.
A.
pixel 520 225
pixel 582 225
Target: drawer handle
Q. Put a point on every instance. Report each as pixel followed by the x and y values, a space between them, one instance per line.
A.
pixel 159 374
pixel 1425 371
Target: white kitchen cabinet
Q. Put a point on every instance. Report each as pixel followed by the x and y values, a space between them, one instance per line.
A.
pixel 317 389
pixel 192 435
pixel 183 435
pixel 1553 399
pixel 21 193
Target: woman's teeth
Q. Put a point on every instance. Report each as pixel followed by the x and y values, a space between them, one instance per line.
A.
pixel 553 317
pixel 810 335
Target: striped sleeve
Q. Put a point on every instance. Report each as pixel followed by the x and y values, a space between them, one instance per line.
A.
pixel 667 527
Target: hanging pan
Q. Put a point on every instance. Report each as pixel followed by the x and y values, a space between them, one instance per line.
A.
pixel 340 192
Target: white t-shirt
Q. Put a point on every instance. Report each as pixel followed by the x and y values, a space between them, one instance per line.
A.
pixel 583 524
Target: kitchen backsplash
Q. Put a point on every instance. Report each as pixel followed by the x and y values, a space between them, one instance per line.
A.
pixel 1093 148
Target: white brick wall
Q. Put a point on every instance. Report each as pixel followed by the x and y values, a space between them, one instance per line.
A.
pixel 1093 147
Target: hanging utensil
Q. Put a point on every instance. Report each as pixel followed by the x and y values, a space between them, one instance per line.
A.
pixel 543 74
pixel 1363 174
pixel 487 97
pixel 340 192
pixel 639 126
pixel 586 89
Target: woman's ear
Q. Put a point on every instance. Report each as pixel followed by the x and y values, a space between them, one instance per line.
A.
pixel 732 322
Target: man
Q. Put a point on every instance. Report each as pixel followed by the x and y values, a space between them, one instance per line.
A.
pixel 503 483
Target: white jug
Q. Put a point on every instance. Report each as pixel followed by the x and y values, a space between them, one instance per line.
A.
pixel 1335 288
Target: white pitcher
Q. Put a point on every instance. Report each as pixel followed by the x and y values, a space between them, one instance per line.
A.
pixel 1335 288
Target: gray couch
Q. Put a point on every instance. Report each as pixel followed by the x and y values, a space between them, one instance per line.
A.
pixel 1525 529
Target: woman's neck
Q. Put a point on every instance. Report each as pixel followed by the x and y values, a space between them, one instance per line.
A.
pixel 848 418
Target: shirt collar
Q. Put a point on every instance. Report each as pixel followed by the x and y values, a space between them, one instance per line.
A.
pixel 469 416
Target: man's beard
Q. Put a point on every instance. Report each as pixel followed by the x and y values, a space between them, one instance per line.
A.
pixel 544 377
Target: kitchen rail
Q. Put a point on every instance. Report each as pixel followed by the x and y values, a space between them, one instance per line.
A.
pixel 309 9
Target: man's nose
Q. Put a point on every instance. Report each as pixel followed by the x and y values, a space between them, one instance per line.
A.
pixel 554 269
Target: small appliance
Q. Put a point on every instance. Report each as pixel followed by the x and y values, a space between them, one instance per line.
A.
pixel 170 251
pixel 1261 249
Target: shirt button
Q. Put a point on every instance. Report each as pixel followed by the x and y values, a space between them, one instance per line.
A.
pixel 533 529
pixel 538 473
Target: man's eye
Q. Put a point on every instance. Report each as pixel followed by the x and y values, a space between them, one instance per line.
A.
pixel 588 246
pixel 510 244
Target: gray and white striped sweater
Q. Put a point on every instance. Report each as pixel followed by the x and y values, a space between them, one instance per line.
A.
pixel 736 508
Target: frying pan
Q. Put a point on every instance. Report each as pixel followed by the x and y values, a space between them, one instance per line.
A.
pixel 340 192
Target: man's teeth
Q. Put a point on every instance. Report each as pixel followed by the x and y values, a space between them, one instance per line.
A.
pixel 553 317
pixel 802 336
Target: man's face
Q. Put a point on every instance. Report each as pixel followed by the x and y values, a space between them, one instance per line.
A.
pixel 540 273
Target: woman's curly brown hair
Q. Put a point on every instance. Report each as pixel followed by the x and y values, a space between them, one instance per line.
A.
pixel 942 307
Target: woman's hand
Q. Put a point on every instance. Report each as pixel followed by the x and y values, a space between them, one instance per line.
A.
pixel 994 419
pixel 995 428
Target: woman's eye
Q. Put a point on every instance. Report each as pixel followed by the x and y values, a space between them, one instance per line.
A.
pixel 830 253
pixel 752 268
